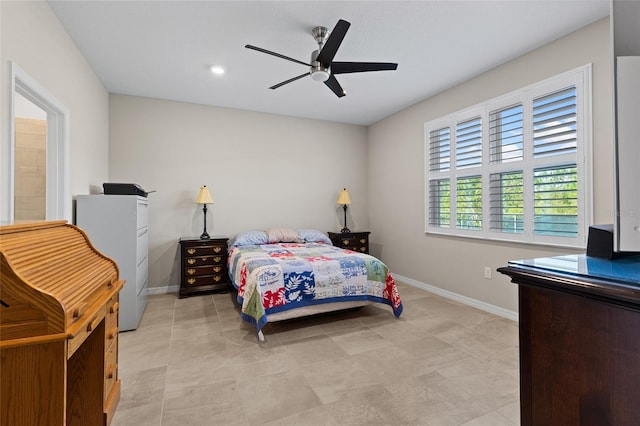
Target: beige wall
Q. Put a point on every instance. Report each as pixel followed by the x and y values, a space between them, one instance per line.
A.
pixel 33 38
pixel 262 170
pixel 396 173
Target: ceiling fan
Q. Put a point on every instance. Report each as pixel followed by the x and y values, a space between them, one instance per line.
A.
pixel 323 67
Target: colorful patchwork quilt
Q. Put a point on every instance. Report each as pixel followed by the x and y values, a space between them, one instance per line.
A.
pixel 276 277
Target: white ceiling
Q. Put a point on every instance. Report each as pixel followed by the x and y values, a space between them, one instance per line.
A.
pixel 164 49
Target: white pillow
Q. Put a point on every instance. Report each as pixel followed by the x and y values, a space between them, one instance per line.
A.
pixel 282 235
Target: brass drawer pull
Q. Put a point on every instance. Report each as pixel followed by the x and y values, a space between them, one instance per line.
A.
pixel 217 269
pixel 363 249
pixel 114 308
pixel 191 261
pixel 191 251
pixel 191 280
pixel 217 249
pixel 93 324
pixel 217 278
pixel 217 258
pixel 191 271
pixel 345 242
pixel 363 241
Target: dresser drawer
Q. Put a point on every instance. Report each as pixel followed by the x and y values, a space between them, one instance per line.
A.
pixel 205 260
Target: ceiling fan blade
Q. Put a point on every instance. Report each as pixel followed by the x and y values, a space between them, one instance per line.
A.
pixel 333 43
pixel 348 67
pixel 268 52
pixel 289 81
pixel 333 84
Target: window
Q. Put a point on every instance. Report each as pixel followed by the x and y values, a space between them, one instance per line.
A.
pixel 513 168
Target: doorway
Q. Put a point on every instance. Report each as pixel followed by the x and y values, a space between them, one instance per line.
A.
pixel 39 153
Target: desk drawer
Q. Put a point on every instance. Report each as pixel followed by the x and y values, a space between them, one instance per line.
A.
pixel 88 326
pixel 111 367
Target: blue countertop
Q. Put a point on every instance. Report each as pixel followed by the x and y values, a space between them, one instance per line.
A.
pixel 625 270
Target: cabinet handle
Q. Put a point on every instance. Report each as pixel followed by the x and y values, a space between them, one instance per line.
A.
pixel 114 308
pixel 363 249
pixel 217 249
pixel 345 242
pixel 112 333
pixel 191 271
pixel 77 312
pixel 363 241
pixel 191 251
pixel 112 372
pixel 93 324
pixel 191 280
pixel 216 269
pixel 217 258
pixel 191 261
pixel 216 278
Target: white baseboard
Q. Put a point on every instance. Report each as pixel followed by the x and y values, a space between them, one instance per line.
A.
pixel 497 310
pixel 162 290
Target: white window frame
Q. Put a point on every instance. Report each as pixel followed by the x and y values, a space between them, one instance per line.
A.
pixel 581 79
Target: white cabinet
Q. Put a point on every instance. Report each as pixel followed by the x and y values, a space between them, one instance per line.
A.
pixel 118 226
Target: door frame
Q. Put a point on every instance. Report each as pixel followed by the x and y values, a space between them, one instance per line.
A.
pixel 58 194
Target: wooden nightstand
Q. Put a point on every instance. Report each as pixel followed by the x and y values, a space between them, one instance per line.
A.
pixel 356 241
pixel 203 265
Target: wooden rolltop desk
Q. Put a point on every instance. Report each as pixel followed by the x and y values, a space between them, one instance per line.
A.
pixel 58 327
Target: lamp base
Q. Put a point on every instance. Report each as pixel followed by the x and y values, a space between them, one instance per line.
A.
pixel 204 236
pixel 345 230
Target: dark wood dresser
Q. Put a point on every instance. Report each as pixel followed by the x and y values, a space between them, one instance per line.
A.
pixel 579 340
pixel 203 265
pixel 356 241
pixel 58 327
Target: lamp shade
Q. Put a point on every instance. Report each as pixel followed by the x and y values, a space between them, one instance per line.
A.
pixel 344 197
pixel 204 197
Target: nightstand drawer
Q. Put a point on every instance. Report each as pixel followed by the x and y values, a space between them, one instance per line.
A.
pixel 205 260
pixel 199 280
pixel 205 270
pixel 205 251
pixel 356 241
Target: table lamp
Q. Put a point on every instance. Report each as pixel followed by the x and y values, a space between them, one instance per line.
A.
pixel 344 200
pixel 204 198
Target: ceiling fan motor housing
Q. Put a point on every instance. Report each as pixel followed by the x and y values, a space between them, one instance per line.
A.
pixel 317 71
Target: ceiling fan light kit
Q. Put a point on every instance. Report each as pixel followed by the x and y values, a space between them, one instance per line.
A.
pixel 322 67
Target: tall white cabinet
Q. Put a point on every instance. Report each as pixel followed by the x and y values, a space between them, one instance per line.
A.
pixel 118 226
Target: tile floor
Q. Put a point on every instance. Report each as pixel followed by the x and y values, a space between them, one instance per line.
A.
pixel 194 362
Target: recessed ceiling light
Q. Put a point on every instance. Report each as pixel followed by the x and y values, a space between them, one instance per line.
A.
pixel 218 70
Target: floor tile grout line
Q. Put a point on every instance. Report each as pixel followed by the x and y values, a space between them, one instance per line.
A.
pixel 164 389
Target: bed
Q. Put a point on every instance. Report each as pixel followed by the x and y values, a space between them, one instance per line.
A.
pixel 282 274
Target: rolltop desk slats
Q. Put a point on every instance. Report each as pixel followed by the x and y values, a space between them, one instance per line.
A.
pixel 58 327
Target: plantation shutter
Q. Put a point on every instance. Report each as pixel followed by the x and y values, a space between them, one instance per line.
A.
pixel 554 123
pixel 440 150
pixel 556 201
pixel 469 202
pixel 439 203
pixel 469 143
pixel 506 204
pixel 506 135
